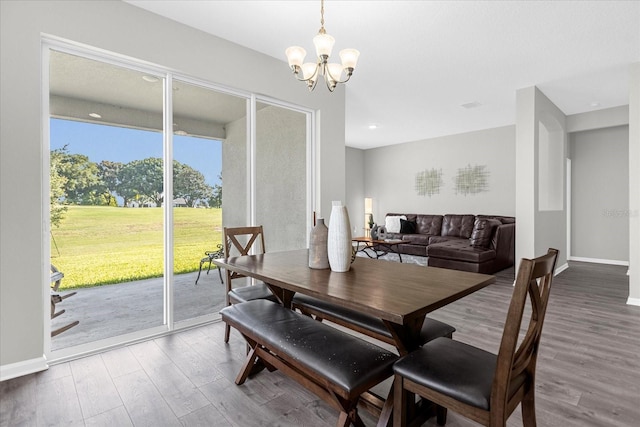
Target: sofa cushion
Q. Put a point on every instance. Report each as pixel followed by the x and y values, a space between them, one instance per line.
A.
pixel 483 230
pixel 428 224
pixel 392 223
pixel 411 249
pixel 502 219
pixel 440 239
pixel 458 225
pixel 416 239
pixel 460 250
pixel 407 227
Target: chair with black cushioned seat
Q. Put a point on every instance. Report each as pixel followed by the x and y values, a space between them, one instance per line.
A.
pixel 239 241
pixel 475 383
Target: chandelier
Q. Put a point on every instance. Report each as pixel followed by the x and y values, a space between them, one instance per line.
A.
pixel 332 72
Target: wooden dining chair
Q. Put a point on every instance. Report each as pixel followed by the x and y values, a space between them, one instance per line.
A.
pixel 475 383
pixel 239 241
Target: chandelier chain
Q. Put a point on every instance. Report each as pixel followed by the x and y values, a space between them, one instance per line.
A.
pixel 322 30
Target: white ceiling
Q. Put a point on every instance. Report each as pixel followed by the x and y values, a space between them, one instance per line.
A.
pixel 421 60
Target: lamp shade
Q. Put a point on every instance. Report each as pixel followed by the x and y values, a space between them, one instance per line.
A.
pixel 324 44
pixel 349 58
pixel 295 55
pixel 335 71
pixel 368 205
pixel 309 69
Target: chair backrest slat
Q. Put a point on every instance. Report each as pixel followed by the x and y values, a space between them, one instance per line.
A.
pixel 232 243
pixel 533 281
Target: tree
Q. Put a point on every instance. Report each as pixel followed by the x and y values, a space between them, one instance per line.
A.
pixel 56 190
pixel 108 174
pixel 216 198
pixel 81 176
pixel 189 184
pixel 141 179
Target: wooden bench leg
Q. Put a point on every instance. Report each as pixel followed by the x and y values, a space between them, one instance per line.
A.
pixel 247 366
pixel 386 413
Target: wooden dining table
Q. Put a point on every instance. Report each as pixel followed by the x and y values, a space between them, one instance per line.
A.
pixel 399 294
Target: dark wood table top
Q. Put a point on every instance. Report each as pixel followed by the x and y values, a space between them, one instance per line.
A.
pixel 395 292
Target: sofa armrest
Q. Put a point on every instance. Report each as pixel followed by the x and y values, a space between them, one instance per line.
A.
pixel 504 243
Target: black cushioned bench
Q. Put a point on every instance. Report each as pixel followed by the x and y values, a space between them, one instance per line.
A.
pixel 336 366
pixel 364 323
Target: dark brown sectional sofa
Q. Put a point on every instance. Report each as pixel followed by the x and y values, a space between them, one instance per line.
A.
pixel 477 243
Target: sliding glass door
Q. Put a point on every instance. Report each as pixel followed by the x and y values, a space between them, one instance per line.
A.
pixel 146 168
pixel 201 117
pixel 106 169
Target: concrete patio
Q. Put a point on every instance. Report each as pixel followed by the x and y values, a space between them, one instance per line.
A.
pixel 112 310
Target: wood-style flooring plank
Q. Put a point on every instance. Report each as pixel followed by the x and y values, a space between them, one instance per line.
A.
pixel 178 391
pixel 94 386
pixel 18 402
pixel 233 403
pixel 57 403
pixel 120 361
pixel 149 355
pixel 199 368
pixel 207 416
pixel 116 417
pixel 143 402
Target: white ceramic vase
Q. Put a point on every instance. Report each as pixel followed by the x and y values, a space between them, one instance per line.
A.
pixel 339 247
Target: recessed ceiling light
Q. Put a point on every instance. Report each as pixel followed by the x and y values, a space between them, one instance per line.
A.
pixel 150 79
pixel 594 104
pixel 95 115
pixel 373 126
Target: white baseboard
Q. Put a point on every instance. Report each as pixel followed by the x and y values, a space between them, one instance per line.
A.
pixel 599 261
pixel 560 269
pixel 18 369
pixel 633 301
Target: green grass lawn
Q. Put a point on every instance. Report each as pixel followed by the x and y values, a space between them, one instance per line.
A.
pixel 100 245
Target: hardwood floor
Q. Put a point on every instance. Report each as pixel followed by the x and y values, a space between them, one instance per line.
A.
pixel 588 370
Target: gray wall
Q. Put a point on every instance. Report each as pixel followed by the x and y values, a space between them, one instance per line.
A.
pixel 634 184
pixel 235 173
pixel 390 174
pixel 281 178
pixel 116 27
pixel 355 189
pixel 538 230
pixel 600 193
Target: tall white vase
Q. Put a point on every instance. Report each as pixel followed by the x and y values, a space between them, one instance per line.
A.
pixel 339 239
